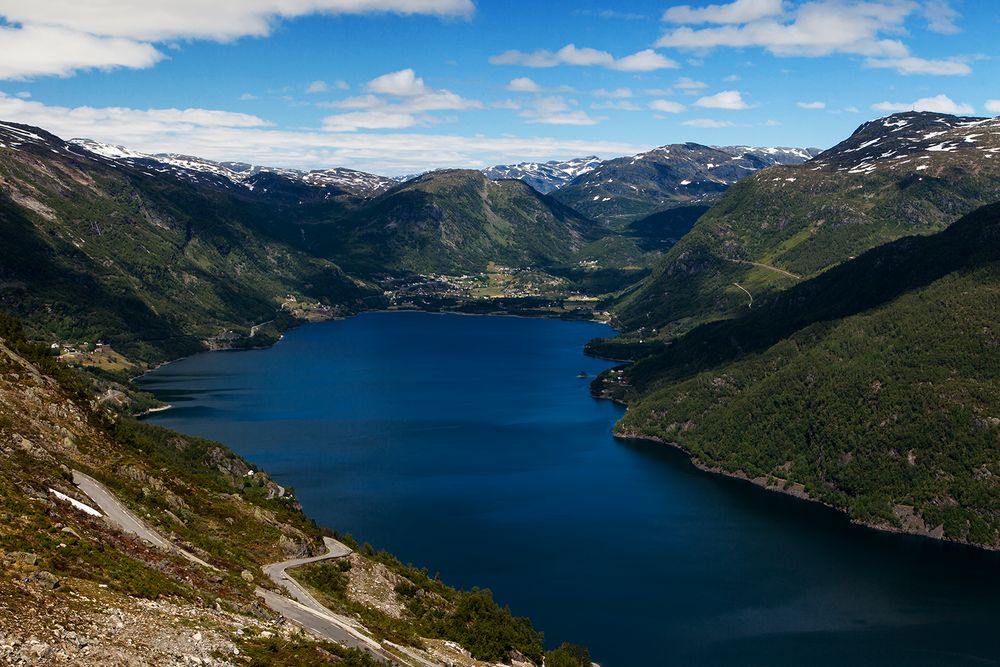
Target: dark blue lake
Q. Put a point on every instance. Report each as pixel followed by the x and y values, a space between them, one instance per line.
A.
pixel 468 445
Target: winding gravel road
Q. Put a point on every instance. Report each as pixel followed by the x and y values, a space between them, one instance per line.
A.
pixel 304 610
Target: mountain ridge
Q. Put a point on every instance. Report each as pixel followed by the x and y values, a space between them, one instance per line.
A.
pixel 799 220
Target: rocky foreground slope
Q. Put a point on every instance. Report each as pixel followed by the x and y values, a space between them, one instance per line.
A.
pixel 76 590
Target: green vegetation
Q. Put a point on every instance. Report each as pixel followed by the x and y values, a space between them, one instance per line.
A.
pixel 874 386
pixel 299 652
pixel 568 655
pixel 802 220
pixel 153 265
pixel 453 221
pixel 432 610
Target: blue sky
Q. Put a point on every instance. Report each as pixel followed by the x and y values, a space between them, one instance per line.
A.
pixel 398 86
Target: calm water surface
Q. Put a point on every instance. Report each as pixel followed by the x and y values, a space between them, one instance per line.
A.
pixel 469 446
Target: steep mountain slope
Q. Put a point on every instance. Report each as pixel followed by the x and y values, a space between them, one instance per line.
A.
pixel 152 264
pixel 544 176
pixel 453 221
pixel 904 174
pixel 623 189
pixel 76 590
pixel 873 387
pixel 325 183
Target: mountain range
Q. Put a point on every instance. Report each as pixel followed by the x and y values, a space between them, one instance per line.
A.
pixel 627 188
pixel 906 174
pixel 756 290
pixel 821 324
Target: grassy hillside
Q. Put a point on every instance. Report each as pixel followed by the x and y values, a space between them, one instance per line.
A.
pixel 149 263
pixel 454 221
pixel 873 388
pixel 906 174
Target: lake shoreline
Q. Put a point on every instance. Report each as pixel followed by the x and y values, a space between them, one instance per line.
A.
pixel 797 491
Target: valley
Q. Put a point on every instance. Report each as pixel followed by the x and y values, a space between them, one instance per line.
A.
pixel 778 316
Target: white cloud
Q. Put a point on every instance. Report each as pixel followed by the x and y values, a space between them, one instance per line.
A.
pixel 222 135
pixel 618 93
pixel 740 11
pixel 940 17
pixel 403 83
pixel 816 28
pixel 727 99
pixel 157 21
pixel 993 106
pixel 811 105
pixel 24 94
pixel 913 65
pixel 618 105
pixel 643 61
pixel 318 87
pixel 370 120
pixel 707 123
pixel 556 110
pixel 340 84
pixel 523 85
pixel 60 37
pixel 687 83
pixel 397 100
pixel 247 97
pixel 52 50
pixel 938 103
pixel 732 77
pixel 667 106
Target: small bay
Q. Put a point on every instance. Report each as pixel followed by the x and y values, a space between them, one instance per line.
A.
pixel 468 445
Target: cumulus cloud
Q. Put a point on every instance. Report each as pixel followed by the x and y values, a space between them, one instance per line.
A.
pixel 740 11
pixel 938 103
pixel 687 83
pixel 727 99
pixel 32 50
pixel 318 87
pixel 667 106
pixel 811 105
pixel 223 135
pixel 523 85
pixel 993 106
pixel 816 28
pixel 707 123
pixel 403 83
pixel 396 100
pixel 60 37
pixel 556 110
pixel 642 61
pixel 913 65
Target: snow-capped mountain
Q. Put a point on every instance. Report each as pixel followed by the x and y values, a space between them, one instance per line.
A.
pixel 200 170
pixel 629 187
pixel 912 140
pixel 544 176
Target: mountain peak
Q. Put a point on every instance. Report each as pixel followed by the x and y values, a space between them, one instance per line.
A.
pixel 235 174
pixel 544 176
pixel 900 138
